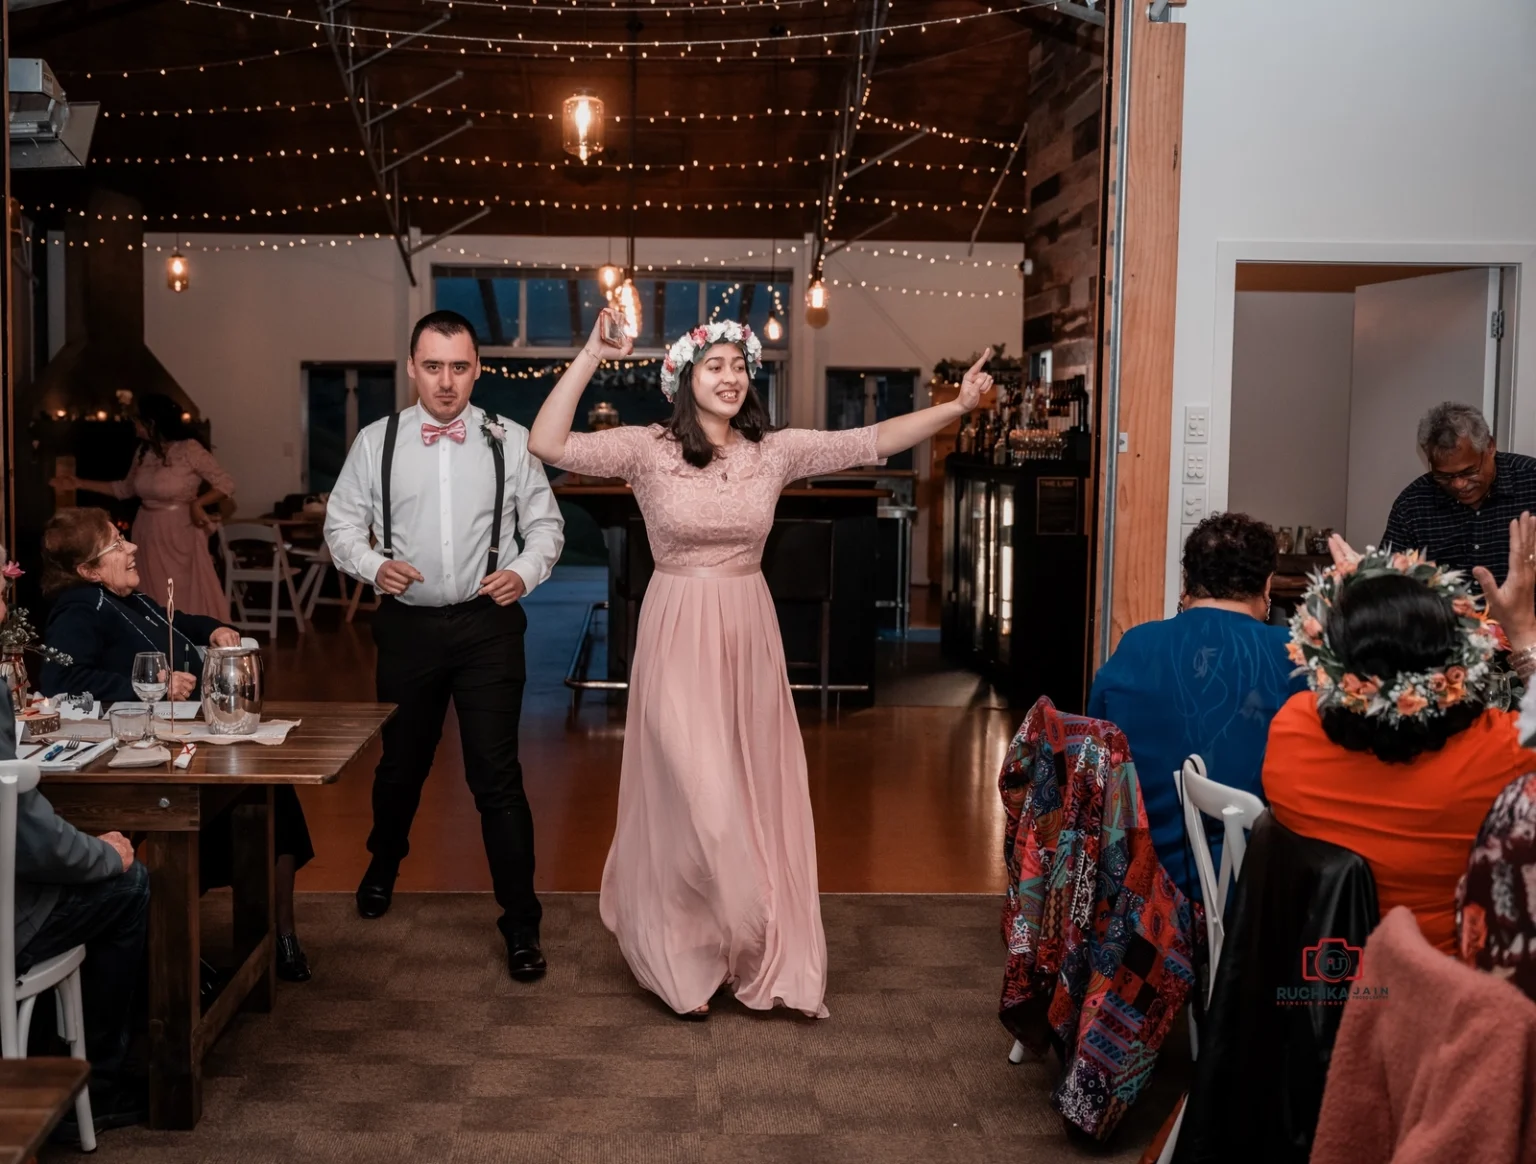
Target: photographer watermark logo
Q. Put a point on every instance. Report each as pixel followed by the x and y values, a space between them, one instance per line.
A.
pixel 1330 976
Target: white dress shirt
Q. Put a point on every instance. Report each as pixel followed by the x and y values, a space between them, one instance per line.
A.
pixel 442 499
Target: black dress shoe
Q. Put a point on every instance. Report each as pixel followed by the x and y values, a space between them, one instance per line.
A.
pixel 377 890
pixel 292 965
pixel 525 961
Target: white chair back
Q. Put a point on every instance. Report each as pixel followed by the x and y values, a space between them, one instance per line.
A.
pixel 16 777
pixel 1237 810
pixel 277 575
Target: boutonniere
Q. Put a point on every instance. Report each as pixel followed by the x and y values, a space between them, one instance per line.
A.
pixel 495 434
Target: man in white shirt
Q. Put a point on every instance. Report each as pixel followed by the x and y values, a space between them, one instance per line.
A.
pixel 450 623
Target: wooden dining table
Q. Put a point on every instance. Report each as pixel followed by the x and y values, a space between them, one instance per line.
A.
pixel 170 806
pixel 34 1096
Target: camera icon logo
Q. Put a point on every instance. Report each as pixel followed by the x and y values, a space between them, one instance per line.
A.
pixel 1332 960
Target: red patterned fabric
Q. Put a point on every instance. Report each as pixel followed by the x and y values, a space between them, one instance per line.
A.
pixel 1101 943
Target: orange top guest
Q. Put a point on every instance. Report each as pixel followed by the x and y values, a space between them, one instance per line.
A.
pixel 1401 745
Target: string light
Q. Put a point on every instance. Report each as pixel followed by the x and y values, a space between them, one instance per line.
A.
pixel 824 37
pixel 931 292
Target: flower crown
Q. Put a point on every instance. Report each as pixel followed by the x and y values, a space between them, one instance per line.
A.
pixel 691 345
pixel 1468 676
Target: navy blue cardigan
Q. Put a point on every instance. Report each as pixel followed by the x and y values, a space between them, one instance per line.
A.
pixel 102 633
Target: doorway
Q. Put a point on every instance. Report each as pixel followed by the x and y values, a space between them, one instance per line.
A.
pixel 1333 364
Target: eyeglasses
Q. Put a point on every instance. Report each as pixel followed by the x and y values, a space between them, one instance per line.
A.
pixel 118 544
pixel 1464 475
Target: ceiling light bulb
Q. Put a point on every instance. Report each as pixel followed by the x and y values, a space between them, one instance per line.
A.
pixel 609 277
pixel 177 273
pixel 773 330
pixel 583 125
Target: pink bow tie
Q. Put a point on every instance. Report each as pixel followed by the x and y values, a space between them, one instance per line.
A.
pixel 454 432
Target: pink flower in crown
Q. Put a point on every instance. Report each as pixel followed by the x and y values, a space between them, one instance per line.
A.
pixel 668 366
pixel 699 335
pixel 12 570
pixel 1410 703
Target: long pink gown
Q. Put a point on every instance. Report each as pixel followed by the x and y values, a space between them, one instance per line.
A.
pixel 170 546
pixel 711 878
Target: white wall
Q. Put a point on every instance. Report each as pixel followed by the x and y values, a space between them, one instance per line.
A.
pixel 1367 131
pixel 236 338
pixel 1291 355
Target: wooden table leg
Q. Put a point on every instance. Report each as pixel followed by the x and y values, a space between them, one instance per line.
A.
pixel 252 882
pixel 175 1083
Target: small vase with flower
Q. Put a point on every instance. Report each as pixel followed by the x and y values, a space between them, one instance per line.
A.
pixel 18 635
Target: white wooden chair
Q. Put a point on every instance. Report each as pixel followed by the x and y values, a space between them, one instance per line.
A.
pixel 1237 810
pixel 278 572
pixel 61 973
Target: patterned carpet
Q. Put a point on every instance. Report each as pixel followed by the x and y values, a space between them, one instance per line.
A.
pixel 411 1044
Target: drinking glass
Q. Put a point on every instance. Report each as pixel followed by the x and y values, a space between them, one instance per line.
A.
pixel 151 675
pixel 130 725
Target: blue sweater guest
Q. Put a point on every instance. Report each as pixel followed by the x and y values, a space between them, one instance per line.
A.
pixel 101 620
pixel 1206 681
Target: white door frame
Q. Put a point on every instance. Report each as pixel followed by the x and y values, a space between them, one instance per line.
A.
pixel 1231 252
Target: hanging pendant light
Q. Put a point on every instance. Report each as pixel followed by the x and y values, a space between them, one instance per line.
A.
pixel 583 125
pixel 816 304
pixel 773 330
pixel 609 277
pixel 178 275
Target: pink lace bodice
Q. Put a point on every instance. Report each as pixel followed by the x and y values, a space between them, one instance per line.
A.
pixel 174 481
pixel 719 515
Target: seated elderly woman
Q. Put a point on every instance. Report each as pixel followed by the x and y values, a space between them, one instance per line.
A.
pixel 101 620
pixel 1402 744
pixel 1206 681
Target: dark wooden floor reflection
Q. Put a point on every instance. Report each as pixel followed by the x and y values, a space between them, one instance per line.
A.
pixel 905 797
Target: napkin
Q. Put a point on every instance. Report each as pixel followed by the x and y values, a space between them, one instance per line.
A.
pixel 270 732
pixel 75 760
pixel 139 758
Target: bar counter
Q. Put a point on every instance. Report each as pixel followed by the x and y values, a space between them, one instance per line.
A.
pixel 852 624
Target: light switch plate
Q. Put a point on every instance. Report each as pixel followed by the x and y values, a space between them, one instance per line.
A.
pixel 1192 510
pixel 1197 424
pixel 1194 466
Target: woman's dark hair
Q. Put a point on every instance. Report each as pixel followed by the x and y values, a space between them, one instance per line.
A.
pixel 1381 628
pixel 163 423
pixel 72 538
pixel 751 421
pixel 1229 555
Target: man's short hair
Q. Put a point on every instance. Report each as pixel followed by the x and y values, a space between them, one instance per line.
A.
pixel 1445 424
pixel 448 323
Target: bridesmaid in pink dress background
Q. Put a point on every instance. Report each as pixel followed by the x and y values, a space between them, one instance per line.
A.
pixel 711 878
pixel 172 527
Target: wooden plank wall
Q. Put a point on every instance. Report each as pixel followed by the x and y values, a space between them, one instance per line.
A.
pixel 1151 243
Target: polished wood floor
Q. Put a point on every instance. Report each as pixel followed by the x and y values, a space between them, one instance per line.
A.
pixel 905 798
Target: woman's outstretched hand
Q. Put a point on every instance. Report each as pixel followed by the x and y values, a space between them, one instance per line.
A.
pixel 974 384
pixel 1513 605
pixel 1344 555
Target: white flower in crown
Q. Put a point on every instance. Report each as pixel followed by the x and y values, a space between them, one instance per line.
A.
pixel 693 344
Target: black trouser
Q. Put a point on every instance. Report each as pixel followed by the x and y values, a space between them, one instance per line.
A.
pixel 473 653
pixel 110 918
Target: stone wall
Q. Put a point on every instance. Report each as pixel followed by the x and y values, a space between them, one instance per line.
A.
pixel 1066 76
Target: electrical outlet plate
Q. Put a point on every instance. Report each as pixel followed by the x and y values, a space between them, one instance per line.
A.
pixel 1197 424
pixel 1194 466
pixel 1192 509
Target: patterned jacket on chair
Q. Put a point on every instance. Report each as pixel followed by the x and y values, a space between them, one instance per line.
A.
pixel 1100 940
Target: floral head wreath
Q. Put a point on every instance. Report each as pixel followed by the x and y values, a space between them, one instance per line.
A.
pixel 691 345
pixel 1468 676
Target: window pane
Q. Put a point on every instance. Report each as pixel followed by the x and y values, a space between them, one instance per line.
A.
pixel 375 395
pixel 453 293
pixel 768 297
pixel 327 427
pixel 723 302
pixel 504 291
pixel 682 308
pixel 592 301
pixel 549 312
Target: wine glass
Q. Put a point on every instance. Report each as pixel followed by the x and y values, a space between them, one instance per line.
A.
pixel 151 676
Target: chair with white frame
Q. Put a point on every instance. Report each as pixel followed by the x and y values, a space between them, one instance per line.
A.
pixel 278 573
pixel 1237 810
pixel 61 973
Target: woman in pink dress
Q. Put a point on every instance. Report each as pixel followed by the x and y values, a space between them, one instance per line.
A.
pixel 711 879
pixel 172 527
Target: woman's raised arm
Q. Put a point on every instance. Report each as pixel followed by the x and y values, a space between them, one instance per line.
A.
pixel 902 432
pixel 546 439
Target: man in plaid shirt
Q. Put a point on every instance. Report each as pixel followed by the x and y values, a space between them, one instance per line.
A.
pixel 1459 512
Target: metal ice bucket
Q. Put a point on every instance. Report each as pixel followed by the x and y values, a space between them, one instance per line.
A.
pixel 232 690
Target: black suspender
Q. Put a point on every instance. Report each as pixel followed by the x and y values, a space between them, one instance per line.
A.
pixel 501 489
pixel 391 432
